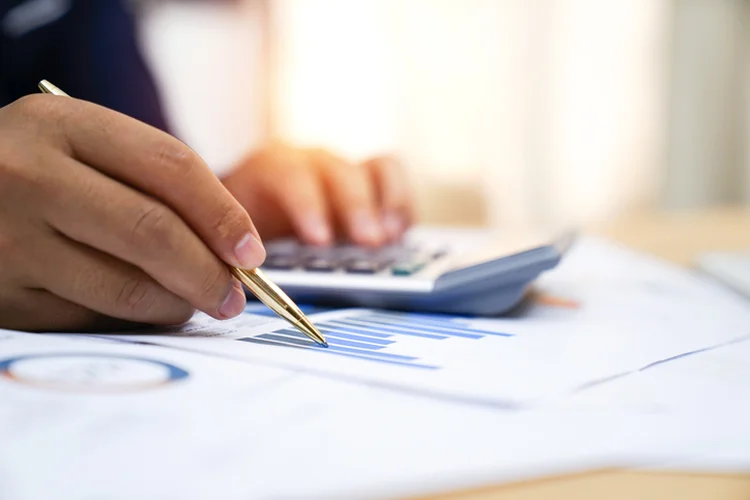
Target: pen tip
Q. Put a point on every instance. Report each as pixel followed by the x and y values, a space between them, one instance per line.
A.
pixel 309 329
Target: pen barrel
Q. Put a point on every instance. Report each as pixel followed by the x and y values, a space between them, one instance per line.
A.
pixel 49 88
pixel 272 296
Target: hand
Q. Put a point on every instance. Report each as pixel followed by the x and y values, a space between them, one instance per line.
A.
pixel 105 220
pixel 317 196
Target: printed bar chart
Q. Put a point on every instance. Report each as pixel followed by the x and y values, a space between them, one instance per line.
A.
pixel 370 336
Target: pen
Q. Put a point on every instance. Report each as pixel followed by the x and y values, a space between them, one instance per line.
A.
pixel 265 290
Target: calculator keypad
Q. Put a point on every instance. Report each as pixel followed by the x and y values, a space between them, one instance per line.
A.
pixel 395 260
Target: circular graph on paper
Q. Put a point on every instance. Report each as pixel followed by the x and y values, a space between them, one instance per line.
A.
pixel 90 372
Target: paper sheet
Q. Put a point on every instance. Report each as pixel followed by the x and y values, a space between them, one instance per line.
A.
pixel 90 419
pixel 718 379
pixel 84 417
pixel 606 311
pixel 713 384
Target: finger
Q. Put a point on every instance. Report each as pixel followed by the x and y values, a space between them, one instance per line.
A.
pixel 35 310
pixel 103 284
pixel 302 199
pixel 352 197
pixel 88 207
pixel 163 167
pixel 393 193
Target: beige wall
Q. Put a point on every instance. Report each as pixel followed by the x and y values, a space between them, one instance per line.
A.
pixel 707 161
pixel 506 111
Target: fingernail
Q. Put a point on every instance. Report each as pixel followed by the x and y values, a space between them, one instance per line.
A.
pixel 249 252
pixel 366 228
pixel 393 224
pixel 234 304
pixel 318 230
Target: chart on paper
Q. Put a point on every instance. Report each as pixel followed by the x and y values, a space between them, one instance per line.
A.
pixel 501 362
pixel 371 336
pixel 583 332
pixel 414 351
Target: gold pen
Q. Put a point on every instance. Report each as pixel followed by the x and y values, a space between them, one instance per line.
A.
pixel 266 291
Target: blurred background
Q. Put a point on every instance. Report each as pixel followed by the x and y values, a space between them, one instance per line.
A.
pixel 506 112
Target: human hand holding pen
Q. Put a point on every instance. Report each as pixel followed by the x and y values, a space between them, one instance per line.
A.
pixel 105 220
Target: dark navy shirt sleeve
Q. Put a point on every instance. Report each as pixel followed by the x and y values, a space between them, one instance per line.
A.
pixel 88 48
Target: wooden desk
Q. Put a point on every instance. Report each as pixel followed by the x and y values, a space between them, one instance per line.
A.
pixel 679 237
pixel 617 485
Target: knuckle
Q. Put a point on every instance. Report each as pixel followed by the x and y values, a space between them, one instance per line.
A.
pixel 176 158
pixel 304 195
pixel 25 153
pixel 38 108
pixel 339 179
pixel 20 174
pixel 153 229
pixel 33 105
pixel 10 173
pixel 15 244
pixel 136 297
pixel 327 162
pixel 355 187
pixel 290 166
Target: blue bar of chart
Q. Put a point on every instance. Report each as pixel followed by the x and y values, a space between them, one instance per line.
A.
pixel 369 335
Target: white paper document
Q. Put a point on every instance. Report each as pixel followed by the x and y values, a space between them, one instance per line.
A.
pixel 713 384
pixel 627 362
pixel 605 312
pixel 716 379
pixel 89 419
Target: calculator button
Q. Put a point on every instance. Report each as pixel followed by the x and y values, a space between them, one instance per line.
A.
pixel 319 264
pixel 407 268
pixel 281 262
pixel 286 248
pixel 362 266
pixel 402 269
pixel 313 252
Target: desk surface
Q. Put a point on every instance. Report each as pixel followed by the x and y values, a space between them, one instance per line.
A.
pixel 679 237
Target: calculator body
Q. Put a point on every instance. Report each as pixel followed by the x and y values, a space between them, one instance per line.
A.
pixel 456 271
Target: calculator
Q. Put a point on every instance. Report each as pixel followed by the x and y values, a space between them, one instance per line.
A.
pixel 455 271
